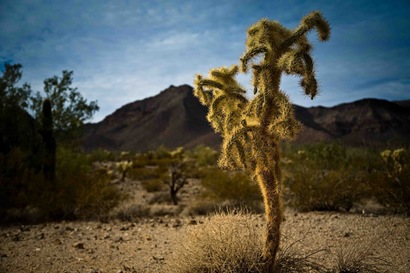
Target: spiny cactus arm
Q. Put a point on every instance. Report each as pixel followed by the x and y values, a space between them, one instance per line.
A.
pixel 204 96
pixel 233 154
pixel 300 63
pixel 250 54
pixel 310 21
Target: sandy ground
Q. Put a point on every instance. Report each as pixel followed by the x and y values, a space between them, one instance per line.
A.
pixel 147 244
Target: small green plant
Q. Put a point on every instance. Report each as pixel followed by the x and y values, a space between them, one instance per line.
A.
pixel 252 128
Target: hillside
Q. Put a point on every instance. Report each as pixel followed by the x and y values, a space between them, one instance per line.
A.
pixel 175 118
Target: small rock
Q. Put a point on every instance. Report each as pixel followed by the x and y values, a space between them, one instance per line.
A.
pixel 24 229
pixel 79 245
pixel 158 258
pixel 193 222
pixel 347 234
pixel 15 237
pixel 68 228
pixel 118 240
pixel 40 236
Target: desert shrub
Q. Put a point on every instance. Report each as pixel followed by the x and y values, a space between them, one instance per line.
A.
pixel 390 179
pixel 146 172
pixel 202 207
pixel 227 242
pixel 14 177
pixel 324 177
pixel 153 185
pixel 159 198
pixel 77 192
pixel 204 156
pixel 359 259
pixel 235 187
pixel 101 155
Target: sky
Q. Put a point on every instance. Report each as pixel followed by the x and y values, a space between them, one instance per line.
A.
pixel 122 50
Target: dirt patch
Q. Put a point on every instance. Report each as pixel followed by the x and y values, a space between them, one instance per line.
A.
pixel 147 245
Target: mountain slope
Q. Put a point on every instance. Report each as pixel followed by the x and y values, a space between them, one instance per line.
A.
pixel 173 118
pixel 176 118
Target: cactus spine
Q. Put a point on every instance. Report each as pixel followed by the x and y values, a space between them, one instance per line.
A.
pixel 252 128
pixel 49 162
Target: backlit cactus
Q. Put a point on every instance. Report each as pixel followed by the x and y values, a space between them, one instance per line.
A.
pixel 252 128
pixel 49 142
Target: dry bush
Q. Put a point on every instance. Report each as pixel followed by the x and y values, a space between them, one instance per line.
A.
pixel 232 241
pixel 356 259
pixel 225 242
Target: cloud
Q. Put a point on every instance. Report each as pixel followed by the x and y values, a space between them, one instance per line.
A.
pixel 121 51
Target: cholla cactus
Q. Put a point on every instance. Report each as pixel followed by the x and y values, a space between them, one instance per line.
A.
pixel 123 167
pixel 394 160
pixel 47 134
pixel 252 128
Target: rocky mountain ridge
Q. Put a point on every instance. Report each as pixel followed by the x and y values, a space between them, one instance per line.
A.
pixel 176 118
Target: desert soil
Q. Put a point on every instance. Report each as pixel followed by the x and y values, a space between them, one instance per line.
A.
pixel 147 244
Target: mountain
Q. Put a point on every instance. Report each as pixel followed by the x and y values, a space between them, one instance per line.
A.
pixel 176 118
pixel 173 118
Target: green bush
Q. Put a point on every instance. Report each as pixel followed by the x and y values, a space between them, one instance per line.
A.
pixel 334 177
pixel 391 180
pixel 204 156
pixel 78 191
pixel 235 187
pixel 324 177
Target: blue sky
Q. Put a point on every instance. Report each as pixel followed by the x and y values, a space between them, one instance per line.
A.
pixel 122 51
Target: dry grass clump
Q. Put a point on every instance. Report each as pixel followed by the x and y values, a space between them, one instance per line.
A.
pixel 291 260
pixel 224 243
pixel 356 259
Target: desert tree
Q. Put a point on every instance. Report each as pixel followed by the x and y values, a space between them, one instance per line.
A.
pixel 177 173
pixel 253 127
pixel 69 108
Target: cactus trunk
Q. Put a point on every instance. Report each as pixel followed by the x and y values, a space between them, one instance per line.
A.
pixel 49 162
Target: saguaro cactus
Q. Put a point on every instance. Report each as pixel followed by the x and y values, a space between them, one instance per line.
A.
pixel 49 162
pixel 252 128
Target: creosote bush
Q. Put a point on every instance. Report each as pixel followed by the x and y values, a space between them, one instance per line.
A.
pixel 322 177
pixel 78 192
pixel 330 176
pixel 235 187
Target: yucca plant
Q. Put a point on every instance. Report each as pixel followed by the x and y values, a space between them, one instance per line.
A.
pixel 252 128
